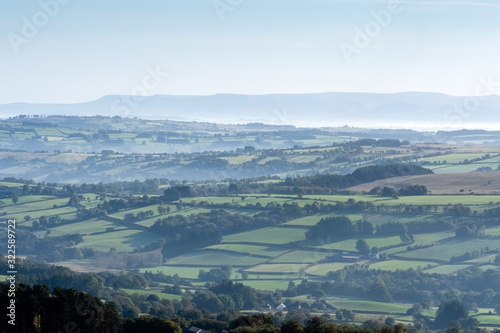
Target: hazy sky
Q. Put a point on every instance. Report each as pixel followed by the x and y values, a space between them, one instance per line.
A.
pixel 87 48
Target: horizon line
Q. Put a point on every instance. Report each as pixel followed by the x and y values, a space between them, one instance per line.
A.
pixel 255 94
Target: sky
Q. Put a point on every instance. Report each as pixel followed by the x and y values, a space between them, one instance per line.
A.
pixel 68 51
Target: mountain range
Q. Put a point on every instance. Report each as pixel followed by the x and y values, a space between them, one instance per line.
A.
pixel 397 110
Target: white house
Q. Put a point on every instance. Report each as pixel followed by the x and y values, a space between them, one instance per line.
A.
pixel 281 307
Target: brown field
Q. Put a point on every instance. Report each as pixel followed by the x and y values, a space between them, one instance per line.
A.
pixel 440 147
pixel 478 182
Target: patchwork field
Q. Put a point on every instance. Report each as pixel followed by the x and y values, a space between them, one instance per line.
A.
pixel 271 257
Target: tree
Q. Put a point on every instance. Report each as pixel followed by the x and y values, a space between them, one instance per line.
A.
pixel 389 192
pixel 379 292
pixel 314 325
pixel 171 194
pixel 487 297
pixel 129 217
pixel 161 209
pixel 362 246
pixel 15 199
pixel 209 302
pixel 297 315
pixel 150 324
pixel 26 189
pixel 390 321
pixel 244 275
pixel 373 323
pixel 348 315
pixel 334 227
pixel 292 326
pixel 318 293
pixel 450 311
pixel 233 188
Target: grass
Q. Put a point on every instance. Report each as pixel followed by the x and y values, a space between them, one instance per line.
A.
pixel 264 276
pixel 214 258
pixel 323 269
pixel 486 267
pixel 300 257
pixel 394 265
pixel 429 239
pixel 63 212
pixel 309 221
pixel 350 244
pixel 268 251
pixel 184 272
pixel 451 249
pixel 27 205
pixel 86 227
pixel 277 268
pixel 452 158
pixel 446 269
pixel 269 284
pixel 369 306
pixel 10 184
pixel 272 235
pixel 493 231
pixel 442 200
pixel 461 168
pixel 121 240
pixel 151 292
pixel 489 320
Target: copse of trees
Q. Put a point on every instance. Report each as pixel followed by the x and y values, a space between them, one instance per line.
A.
pixel 453 313
pixel 409 190
pixel 338 227
pixel 359 176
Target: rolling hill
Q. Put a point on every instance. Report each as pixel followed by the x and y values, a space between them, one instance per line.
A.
pixel 487 182
pixel 418 110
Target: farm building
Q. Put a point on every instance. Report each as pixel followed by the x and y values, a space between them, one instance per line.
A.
pixel 281 307
pixel 194 329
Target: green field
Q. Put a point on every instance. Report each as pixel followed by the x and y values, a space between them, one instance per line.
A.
pixel 300 257
pixel 277 268
pixel 267 251
pixel 86 227
pixel 489 320
pixel 182 271
pixel 309 221
pixel 323 269
pixel 121 240
pixel 355 305
pixel 452 158
pixel 271 256
pixel 268 284
pixel 446 269
pixel 393 265
pixel 272 236
pixel 350 244
pixel 213 258
pixel 451 249
pixel 152 292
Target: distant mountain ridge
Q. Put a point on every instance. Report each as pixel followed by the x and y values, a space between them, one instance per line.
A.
pixel 403 110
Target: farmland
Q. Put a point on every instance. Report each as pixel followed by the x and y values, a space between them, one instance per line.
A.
pixel 259 226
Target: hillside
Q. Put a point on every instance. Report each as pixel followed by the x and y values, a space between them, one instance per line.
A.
pixel 331 109
pixel 171 208
pixel 459 183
